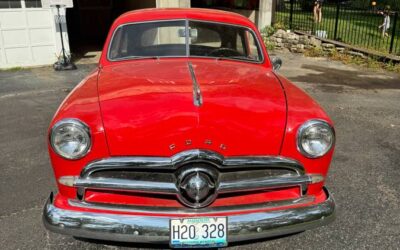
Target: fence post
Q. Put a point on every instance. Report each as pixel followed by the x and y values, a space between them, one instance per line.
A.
pixel 396 15
pixel 337 19
pixel 291 14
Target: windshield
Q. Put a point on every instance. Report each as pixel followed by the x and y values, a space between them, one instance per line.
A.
pixel 184 38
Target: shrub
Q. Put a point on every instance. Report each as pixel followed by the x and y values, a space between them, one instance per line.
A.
pixel 314 52
pixel 281 26
pixel 267 31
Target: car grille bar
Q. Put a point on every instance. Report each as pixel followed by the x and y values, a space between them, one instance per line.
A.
pixel 156 187
pixel 306 199
pixel 159 175
pixel 114 184
pixel 265 183
pixel 190 156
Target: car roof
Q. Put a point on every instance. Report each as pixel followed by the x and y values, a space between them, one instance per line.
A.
pixel 183 13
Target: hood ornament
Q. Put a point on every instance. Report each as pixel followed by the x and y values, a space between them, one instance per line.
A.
pixel 197 98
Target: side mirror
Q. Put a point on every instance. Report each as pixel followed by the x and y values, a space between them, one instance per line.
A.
pixel 276 63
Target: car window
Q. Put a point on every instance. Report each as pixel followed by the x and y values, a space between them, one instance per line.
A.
pixel 162 35
pixel 150 39
pixel 184 38
pixel 209 39
pixel 204 37
pixel 253 51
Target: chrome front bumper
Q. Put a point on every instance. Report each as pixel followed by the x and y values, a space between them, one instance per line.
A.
pixel 153 229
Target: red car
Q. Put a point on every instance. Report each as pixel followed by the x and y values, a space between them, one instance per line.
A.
pixel 186 135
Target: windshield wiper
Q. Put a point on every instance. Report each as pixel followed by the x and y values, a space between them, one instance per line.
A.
pixel 139 57
pixel 242 58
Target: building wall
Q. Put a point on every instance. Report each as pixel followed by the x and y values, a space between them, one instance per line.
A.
pixel 29 36
pixel 173 3
pixel 266 13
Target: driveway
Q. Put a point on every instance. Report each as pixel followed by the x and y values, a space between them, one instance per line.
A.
pixel 364 177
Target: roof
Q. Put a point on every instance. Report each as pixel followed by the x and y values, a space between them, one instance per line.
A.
pixel 183 13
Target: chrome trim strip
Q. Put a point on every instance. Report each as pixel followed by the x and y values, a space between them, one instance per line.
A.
pixel 263 183
pixel 189 156
pixel 197 98
pixel 171 164
pixel 155 229
pixel 155 187
pixel 187 38
pixel 203 211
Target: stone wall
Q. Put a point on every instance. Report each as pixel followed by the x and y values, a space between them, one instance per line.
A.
pixel 296 43
pixel 293 42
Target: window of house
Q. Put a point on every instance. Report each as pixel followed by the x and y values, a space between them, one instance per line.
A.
pixel 33 3
pixel 4 4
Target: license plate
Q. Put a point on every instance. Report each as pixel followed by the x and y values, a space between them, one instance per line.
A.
pixel 198 232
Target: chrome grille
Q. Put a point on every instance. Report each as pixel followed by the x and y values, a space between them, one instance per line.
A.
pixel 162 175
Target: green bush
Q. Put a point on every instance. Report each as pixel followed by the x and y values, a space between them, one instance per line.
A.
pixel 281 26
pixel 267 31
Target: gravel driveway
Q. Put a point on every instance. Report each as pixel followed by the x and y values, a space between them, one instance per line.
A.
pixel 364 177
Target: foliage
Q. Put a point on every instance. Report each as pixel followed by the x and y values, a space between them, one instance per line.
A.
pixel 267 31
pixel 369 62
pixel 355 27
pixel 281 26
pixel 269 45
pixel 314 52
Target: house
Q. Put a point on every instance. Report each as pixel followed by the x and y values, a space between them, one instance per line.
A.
pixel 30 34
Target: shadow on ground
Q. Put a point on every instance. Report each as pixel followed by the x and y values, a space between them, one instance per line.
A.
pixel 163 246
pixel 336 79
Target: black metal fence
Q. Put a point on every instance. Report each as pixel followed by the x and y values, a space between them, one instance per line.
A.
pixel 361 27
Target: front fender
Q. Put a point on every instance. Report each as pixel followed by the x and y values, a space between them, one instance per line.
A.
pixel 301 108
pixel 83 104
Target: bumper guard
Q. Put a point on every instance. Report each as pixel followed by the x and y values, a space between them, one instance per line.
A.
pixel 153 229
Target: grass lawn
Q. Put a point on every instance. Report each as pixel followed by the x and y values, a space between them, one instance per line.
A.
pixel 355 27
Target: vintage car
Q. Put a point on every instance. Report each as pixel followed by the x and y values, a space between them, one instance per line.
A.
pixel 185 135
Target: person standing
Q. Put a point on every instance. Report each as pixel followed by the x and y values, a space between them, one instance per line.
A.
pixel 318 11
pixel 386 22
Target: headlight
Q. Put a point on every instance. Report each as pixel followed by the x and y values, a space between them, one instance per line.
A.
pixel 315 138
pixel 70 138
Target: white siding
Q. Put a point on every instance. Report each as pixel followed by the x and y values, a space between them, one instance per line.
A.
pixel 28 37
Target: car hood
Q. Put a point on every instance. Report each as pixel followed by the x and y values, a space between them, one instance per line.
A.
pixel 148 108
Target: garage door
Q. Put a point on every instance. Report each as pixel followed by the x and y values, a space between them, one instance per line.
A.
pixel 27 34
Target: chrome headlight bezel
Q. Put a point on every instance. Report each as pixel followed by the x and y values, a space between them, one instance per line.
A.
pixel 305 127
pixel 76 124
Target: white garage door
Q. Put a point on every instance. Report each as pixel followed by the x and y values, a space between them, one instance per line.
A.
pixel 27 34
